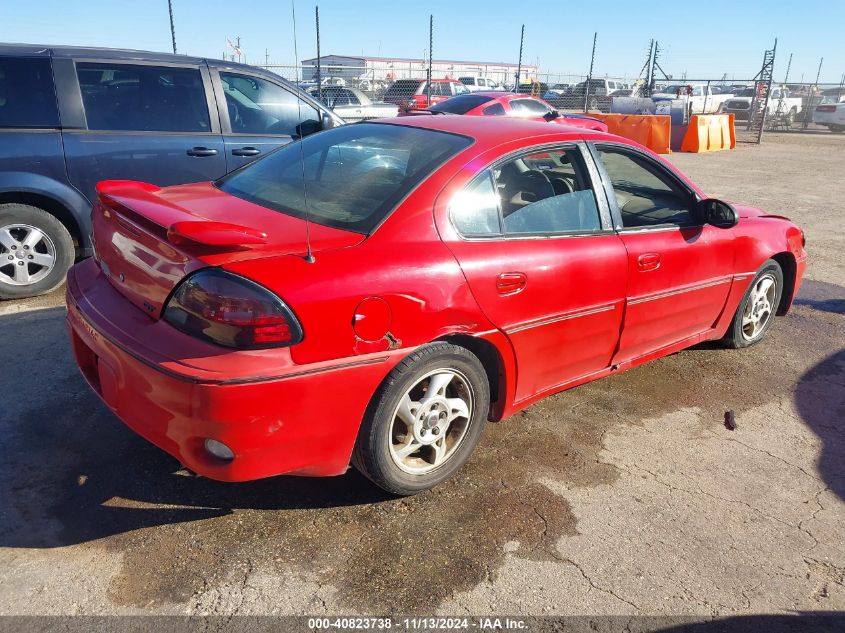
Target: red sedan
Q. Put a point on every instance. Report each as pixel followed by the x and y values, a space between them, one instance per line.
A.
pixel 380 291
pixel 515 105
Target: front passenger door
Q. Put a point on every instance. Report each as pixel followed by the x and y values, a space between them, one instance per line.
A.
pixel 679 269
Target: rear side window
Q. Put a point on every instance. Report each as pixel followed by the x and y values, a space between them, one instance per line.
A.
pixel 353 175
pixel 460 104
pixel 497 109
pixel 27 96
pixel 129 97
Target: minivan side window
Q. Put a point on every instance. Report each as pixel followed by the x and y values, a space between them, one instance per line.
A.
pixel 257 106
pixel 141 98
pixel 27 96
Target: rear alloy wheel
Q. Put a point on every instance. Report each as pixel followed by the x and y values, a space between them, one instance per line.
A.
pixel 756 311
pixel 36 251
pixel 425 421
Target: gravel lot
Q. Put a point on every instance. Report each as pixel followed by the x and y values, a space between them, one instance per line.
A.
pixel 625 496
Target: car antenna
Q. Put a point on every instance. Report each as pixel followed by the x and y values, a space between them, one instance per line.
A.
pixel 309 255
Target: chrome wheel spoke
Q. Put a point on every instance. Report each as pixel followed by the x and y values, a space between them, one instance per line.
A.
pixel 7 240
pixel 42 259
pixel 439 451
pixel 22 273
pixel 406 410
pixel 458 408
pixel 437 385
pixel 32 239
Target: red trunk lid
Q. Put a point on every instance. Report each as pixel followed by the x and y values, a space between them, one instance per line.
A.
pixel 148 239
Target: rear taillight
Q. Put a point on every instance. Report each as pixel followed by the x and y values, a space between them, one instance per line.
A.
pixel 232 311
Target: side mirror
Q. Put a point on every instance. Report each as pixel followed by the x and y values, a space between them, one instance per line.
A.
pixel 327 121
pixel 308 127
pixel 551 116
pixel 718 213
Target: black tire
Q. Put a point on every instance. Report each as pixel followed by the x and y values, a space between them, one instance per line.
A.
pixel 736 337
pixel 790 116
pixel 373 456
pixel 57 236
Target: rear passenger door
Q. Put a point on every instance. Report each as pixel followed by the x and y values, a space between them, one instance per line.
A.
pixel 140 121
pixel 258 115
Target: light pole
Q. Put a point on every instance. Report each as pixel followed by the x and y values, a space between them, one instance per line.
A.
pixel 172 28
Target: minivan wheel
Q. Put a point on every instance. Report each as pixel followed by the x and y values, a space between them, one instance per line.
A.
pixel 36 251
pixel 425 421
pixel 756 311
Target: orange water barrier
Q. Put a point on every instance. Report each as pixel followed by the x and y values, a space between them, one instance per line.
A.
pixel 709 133
pixel 652 130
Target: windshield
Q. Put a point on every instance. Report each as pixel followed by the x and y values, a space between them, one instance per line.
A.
pixel 460 104
pixel 355 175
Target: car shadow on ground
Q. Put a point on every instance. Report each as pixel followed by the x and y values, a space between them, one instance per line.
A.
pixel 74 473
pixel 801 622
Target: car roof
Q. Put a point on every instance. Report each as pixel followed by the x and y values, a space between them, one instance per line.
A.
pixel 127 54
pixel 493 131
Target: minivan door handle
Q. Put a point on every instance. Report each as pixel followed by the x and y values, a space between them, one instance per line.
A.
pixel 202 151
pixel 648 261
pixel 510 283
pixel 246 151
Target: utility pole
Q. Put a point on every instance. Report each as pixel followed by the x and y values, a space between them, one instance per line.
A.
pixel 319 69
pixel 590 76
pixel 172 28
pixel 430 59
pixel 519 64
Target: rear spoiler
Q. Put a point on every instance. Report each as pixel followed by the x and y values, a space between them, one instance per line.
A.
pixel 138 201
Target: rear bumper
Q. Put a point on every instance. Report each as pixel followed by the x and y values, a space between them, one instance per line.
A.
pixel 303 421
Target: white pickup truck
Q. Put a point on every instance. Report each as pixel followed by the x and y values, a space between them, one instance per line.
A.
pixel 700 98
pixel 780 103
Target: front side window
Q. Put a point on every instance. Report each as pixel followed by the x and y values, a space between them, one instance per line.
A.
pixel 257 106
pixel 645 194
pixel 27 97
pixel 542 193
pixel 354 175
pixel 142 98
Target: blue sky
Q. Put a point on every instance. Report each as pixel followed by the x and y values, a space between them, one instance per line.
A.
pixel 703 39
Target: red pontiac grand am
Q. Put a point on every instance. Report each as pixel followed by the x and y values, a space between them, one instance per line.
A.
pixel 514 105
pixel 379 291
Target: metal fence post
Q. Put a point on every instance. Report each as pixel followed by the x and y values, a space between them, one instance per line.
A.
pixel 430 60
pixel 590 76
pixel 519 63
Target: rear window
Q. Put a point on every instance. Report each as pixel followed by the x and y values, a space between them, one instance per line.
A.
pixel 403 87
pixel 354 175
pixel 27 96
pixel 460 104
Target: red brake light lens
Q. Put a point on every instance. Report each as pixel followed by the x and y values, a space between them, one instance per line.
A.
pixel 231 311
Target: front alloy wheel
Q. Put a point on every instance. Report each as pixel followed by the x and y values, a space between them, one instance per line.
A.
pixel 760 307
pixel 756 311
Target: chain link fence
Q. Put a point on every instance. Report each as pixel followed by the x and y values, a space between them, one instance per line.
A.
pixel 358 88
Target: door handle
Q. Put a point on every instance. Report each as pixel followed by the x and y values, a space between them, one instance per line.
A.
pixel 202 151
pixel 510 283
pixel 648 261
pixel 246 151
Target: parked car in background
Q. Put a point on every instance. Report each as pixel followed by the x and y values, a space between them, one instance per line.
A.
pixel 700 98
pixel 351 104
pixel 435 290
pixel 413 94
pixel 533 88
pixel 830 114
pixel 474 84
pixel 780 104
pixel 70 117
pixel 514 105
